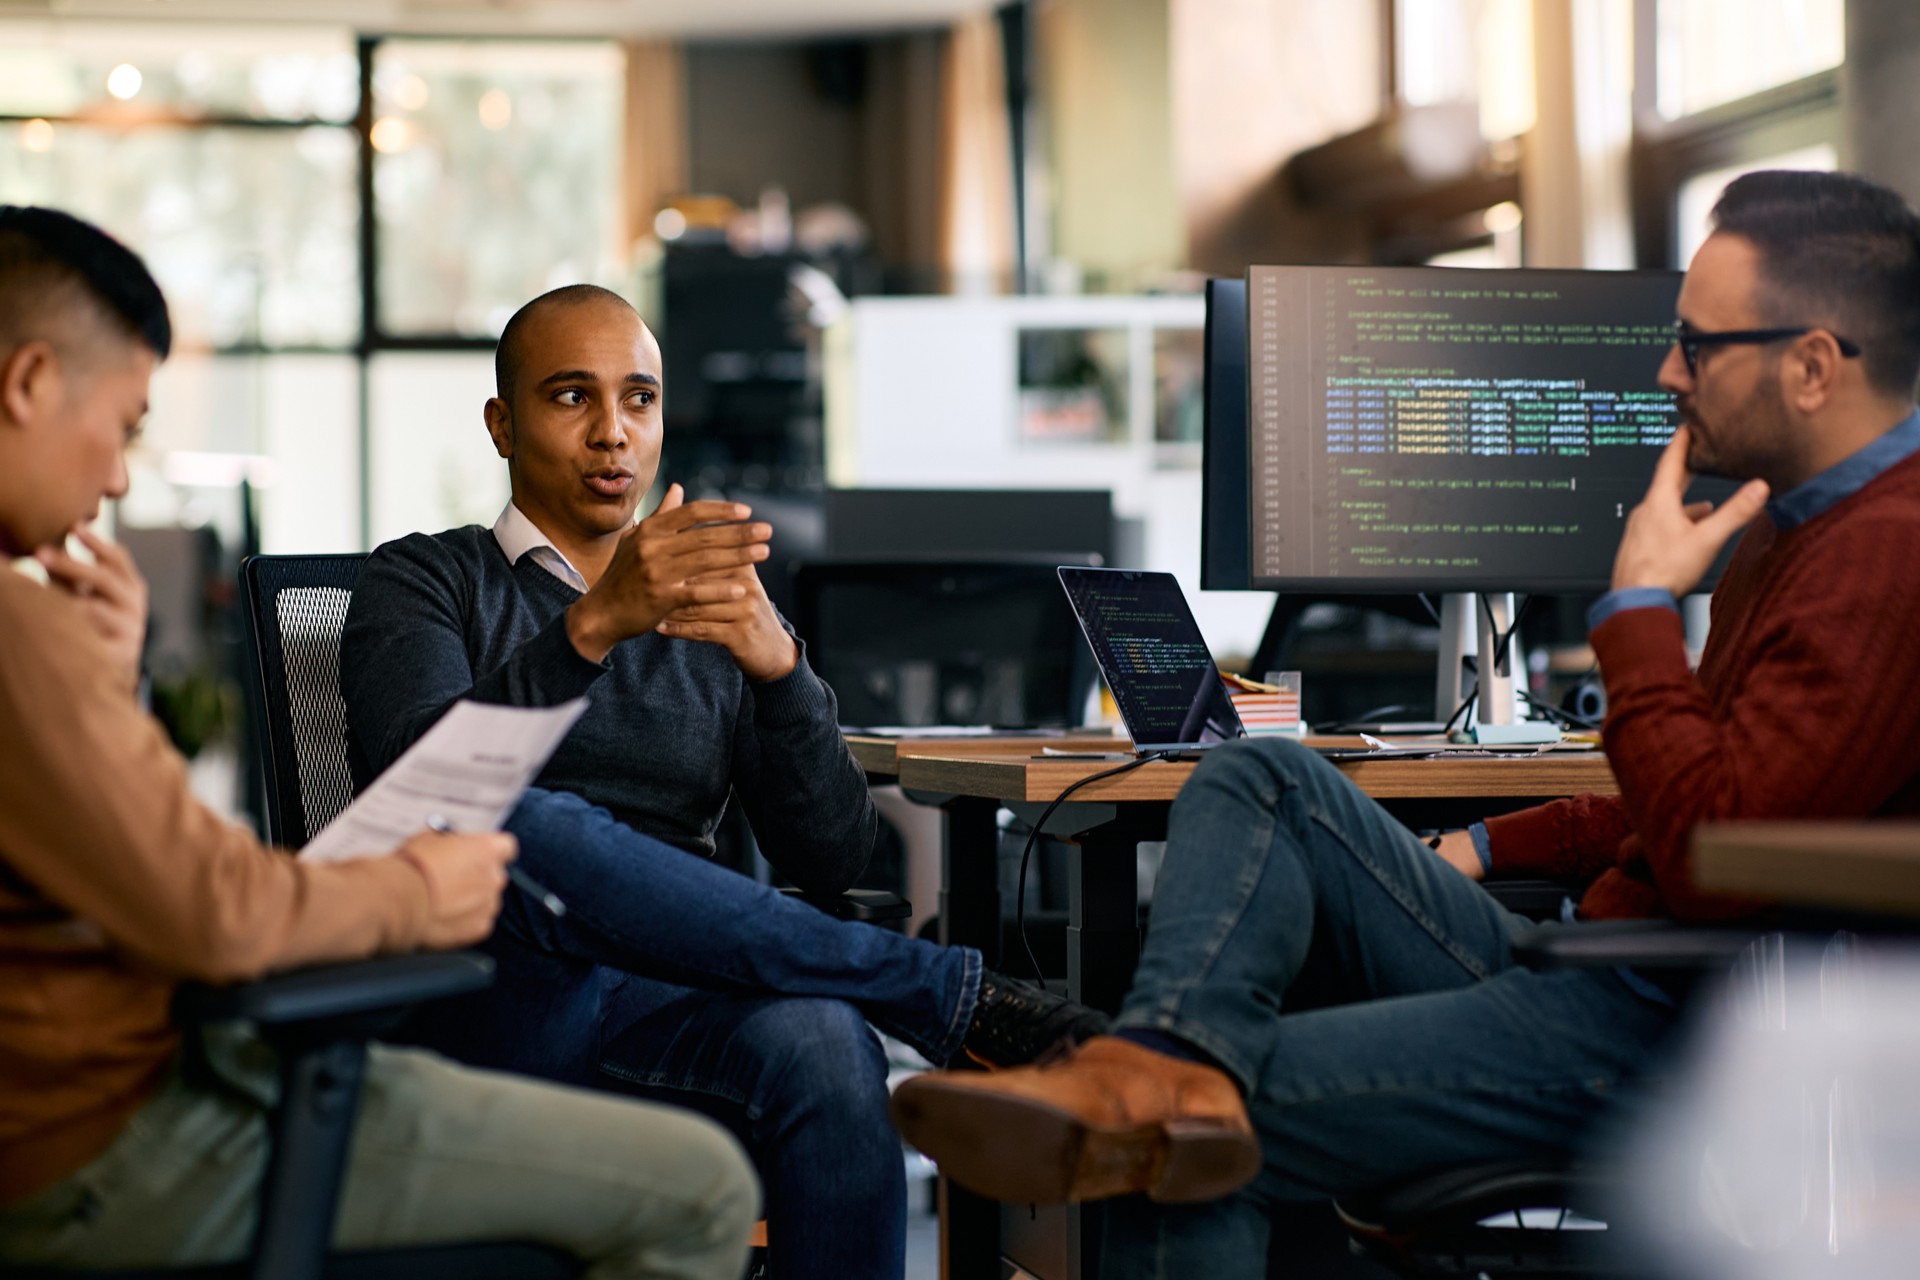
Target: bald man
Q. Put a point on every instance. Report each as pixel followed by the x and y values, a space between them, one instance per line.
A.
pixel 669 977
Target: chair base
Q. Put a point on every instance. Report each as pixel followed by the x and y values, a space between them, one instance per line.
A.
pixel 1433 1226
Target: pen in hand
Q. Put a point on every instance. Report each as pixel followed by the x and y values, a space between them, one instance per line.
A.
pixel 528 885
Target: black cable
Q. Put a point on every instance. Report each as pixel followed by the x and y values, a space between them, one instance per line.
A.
pixel 1571 719
pixel 1427 604
pixel 1020 892
pixel 1473 691
pixel 1371 716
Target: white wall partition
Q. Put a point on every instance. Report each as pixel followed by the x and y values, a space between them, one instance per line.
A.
pixel 926 393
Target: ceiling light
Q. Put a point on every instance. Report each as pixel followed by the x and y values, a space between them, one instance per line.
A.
pixel 1502 217
pixel 391 134
pixel 412 92
pixel 37 135
pixel 124 81
pixel 496 109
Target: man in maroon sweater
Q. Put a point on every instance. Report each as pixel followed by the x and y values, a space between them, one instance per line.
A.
pixel 1320 986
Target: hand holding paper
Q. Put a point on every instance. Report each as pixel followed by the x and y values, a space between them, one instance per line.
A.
pixel 469 770
pixel 464 876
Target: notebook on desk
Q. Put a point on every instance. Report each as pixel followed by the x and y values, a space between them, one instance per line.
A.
pixel 1152 655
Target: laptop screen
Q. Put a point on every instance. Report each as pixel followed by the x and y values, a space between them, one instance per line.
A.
pixel 1153 657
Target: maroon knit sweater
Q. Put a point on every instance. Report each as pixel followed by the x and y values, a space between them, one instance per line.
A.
pixel 1807 705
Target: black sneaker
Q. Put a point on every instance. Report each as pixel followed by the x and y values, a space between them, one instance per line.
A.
pixel 1014 1022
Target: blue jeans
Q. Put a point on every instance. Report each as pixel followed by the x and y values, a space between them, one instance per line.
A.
pixel 1364 995
pixel 678 980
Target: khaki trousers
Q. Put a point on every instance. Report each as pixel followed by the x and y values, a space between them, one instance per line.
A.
pixel 440 1154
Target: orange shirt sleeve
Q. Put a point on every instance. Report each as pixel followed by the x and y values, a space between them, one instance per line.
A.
pixel 96 817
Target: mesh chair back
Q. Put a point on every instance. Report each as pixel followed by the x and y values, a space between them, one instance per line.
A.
pixel 296 609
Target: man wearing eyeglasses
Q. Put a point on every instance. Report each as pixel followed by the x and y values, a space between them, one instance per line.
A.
pixel 1324 1007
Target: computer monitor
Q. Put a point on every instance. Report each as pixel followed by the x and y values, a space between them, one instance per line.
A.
pixel 954 641
pixel 1433 429
pixel 1437 429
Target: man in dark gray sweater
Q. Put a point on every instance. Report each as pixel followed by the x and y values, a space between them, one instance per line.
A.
pixel 668 976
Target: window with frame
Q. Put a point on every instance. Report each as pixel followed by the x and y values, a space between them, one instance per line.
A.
pixel 496 176
pixel 238 160
pixel 1722 88
pixel 1712 52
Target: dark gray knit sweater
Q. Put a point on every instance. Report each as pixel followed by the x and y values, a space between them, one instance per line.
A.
pixel 671 725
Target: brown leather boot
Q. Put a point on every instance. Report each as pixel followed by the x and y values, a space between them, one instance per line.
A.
pixel 1108 1119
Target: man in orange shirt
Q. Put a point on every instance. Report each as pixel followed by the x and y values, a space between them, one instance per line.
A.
pixel 115 885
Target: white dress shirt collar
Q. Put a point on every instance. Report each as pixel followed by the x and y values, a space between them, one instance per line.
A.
pixel 519 536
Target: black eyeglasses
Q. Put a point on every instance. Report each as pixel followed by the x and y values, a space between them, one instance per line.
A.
pixel 1690 340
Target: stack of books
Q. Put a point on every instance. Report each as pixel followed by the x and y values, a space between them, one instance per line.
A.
pixel 1267 709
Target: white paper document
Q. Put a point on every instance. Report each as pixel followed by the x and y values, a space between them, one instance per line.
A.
pixel 468 772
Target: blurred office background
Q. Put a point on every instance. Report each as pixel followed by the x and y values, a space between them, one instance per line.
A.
pixel 890 244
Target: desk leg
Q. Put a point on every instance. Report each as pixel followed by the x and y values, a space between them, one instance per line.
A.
pixel 1103 921
pixel 970 916
pixel 970 876
pixel 1103 915
pixel 1103 946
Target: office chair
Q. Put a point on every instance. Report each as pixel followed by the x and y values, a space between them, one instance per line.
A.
pixel 296 609
pixel 1435 1225
pixel 319 1022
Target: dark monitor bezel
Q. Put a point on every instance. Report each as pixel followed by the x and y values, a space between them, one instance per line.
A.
pixel 1037 571
pixel 959 524
pixel 1226 520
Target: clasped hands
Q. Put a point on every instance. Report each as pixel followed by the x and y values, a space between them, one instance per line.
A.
pixel 687 571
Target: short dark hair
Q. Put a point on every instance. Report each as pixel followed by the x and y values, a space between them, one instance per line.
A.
pixel 507 357
pixel 44 250
pixel 1838 251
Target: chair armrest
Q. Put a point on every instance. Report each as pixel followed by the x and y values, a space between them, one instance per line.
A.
pixel 336 990
pixel 870 905
pixel 1639 944
pixel 1871 867
pixel 1534 899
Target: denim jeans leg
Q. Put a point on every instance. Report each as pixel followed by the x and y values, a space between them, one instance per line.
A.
pixel 1520 1066
pixel 803 1084
pixel 1278 869
pixel 642 906
pixel 1281 879
pixel 540 1017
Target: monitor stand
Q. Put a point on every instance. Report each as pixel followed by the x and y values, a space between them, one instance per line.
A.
pixel 1466 629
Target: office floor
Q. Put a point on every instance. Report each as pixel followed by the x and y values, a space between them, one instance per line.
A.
pixel 923 1225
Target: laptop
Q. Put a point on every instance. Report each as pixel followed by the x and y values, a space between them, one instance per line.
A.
pixel 1153 657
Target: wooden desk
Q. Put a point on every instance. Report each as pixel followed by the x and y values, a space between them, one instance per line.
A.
pixel 1107 818
pixel 1864 866
pixel 971 779
pixel 996 772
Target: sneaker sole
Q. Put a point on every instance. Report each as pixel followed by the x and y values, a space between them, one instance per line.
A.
pixel 1029 1152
